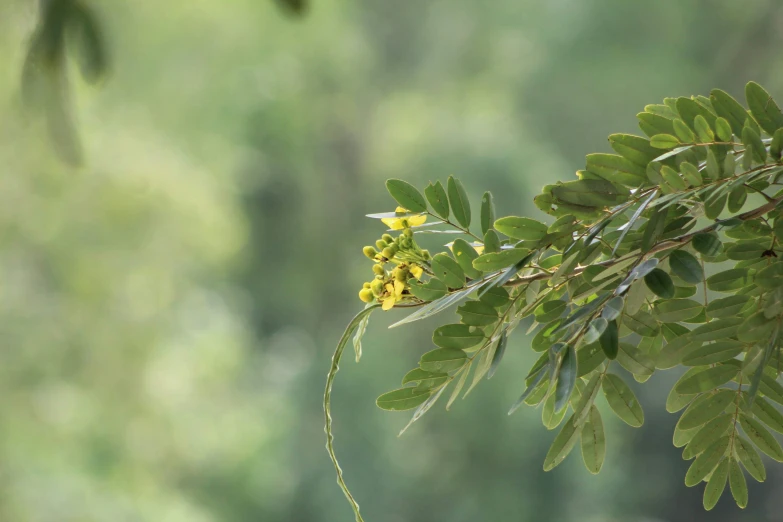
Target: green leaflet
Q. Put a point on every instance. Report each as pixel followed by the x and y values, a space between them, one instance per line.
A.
pixel 730 109
pixel 491 242
pixel 428 379
pixel 745 251
pixel 582 408
pixel 458 200
pixel 737 198
pixel 521 228
pixel 683 132
pixel 566 379
pixel 435 307
pixel 609 340
pixel 723 129
pixel 770 277
pixel 681 438
pixel 756 328
pixel 761 437
pixel 676 401
pixel 448 270
pixel 406 195
pixel 689 110
pixel 442 360
pixel 487 212
pixel 457 337
pixel 642 323
pixel 664 141
pixel 706 462
pixel 497 297
pixel 708 379
pixel 465 254
pixel 716 484
pixel 589 357
pixel 707 434
pixel 754 147
pixel 737 483
pixel 713 353
pixel 763 108
pixel 439 200
pixel 685 266
pixel 750 458
pixel 716 329
pixel 707 244
pixel 703 130
pixel 593 441
pixel 403 399
pixel 634 360
pixel 727 306
pixel 634 148
pixel 589 193
pixel 562 445
pixel 622 400
pixel 477 313
pixel 768 414
pixel 618 169
pixel 549 311
pixel 673 310
pixel 705 410
pixel 613 308
pixel 500 350
pixel 429 291
pixel 660 283
pixel 495 261
pixel 531 387
pixel 594 331
pixel 550 416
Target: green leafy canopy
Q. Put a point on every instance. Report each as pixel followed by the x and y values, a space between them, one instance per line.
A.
pixel 661 256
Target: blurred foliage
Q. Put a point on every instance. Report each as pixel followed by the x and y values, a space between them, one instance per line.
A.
pixel 169 307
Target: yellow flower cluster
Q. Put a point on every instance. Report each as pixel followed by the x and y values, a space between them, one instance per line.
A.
pixel 390 286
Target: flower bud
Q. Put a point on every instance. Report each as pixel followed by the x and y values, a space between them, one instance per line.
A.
pixel 389 252
pixel 401 275
pixel 408 232
pixel 365 294
pixel 425 254
pixel 388 238
pixel 381 244
pixel 376 287
pixel 378 269
pixel 370 252
pixel 366 285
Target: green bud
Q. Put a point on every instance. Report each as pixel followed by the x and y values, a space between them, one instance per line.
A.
pixel 389 252
pixel 366 285
pixel 381 244
pixel 378 269
pixel 425 254
pixel 376 287
pixel 388 238
pixel 370 252
pixel 401 275
pixel 365 294
pixel 408 232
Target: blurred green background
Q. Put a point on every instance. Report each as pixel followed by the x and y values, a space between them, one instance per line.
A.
pixel 167 312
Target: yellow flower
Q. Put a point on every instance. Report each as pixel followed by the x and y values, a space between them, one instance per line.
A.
pixel 416 270
pixel 404 222
pixel 395 294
